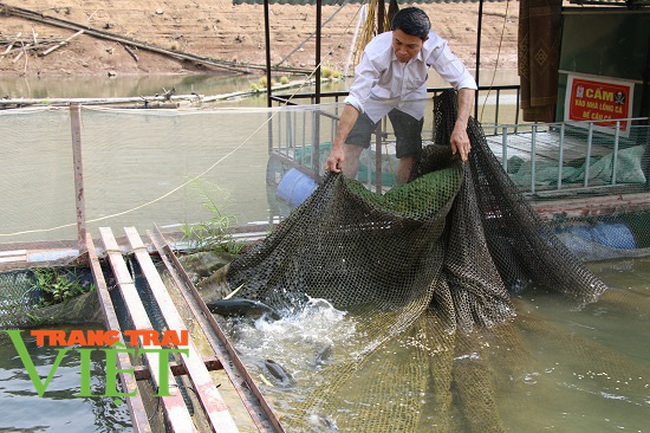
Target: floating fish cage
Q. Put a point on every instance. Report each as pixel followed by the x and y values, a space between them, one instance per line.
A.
pixel 72 172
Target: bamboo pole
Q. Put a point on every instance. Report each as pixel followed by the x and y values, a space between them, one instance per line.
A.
pixel 22 102
pixel 131 52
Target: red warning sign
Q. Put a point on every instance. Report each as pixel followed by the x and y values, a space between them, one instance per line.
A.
pixel 596 99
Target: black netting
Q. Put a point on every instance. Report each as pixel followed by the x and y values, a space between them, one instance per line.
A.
pixel 446 252
pixel 377 255
pixel 24 303
pixel 458 237
pixel 524 249
pixel 17 297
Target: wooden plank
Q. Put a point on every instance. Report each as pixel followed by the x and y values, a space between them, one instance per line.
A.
pixel 11 259
pixel 250 394
pixel 13 256
pixel 208 394
pixel 142 372
pixel 592 206
pixel 22 253
pixel 177 413
pixel 138 413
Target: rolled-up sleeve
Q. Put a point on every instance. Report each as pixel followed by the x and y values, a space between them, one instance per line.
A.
pixel 451 68
pixel 366 76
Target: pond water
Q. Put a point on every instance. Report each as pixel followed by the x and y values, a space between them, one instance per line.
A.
pixel 584 371
pixel 148 85
pixel 58 410
pixel 556 394
pixel 126 86
pixel 133 158
pixel 556 369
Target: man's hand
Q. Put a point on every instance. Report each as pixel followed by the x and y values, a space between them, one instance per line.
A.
pixel 335 160
pixel 460 141
pixel 349 117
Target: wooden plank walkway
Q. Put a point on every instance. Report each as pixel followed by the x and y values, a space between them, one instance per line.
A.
pixel 214 414
pixel 208 394
pixel 136 406
pixel 177 414
pixel 247 389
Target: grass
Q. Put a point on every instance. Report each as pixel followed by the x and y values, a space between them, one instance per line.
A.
pixel 214 234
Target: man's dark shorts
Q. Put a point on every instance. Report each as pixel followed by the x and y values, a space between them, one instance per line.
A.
pixel 408 132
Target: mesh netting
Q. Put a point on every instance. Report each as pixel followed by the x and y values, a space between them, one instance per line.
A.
pixel 459 234
pixel 38 172
pixel 21 303
pixel 17 298
pixel 170 167
pixel 523 248
pixel 444 252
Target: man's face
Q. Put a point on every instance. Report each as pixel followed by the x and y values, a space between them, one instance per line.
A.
pixel 406 46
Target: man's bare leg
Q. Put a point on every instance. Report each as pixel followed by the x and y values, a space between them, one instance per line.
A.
pixel 351 162
pixel 404 169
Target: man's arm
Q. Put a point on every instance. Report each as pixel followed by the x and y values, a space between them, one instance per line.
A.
pixel 337 154
pixel 459 139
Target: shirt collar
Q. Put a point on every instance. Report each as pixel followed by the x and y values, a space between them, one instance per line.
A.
pixel 419 57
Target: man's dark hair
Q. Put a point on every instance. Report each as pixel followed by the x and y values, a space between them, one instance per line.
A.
pixel 412 21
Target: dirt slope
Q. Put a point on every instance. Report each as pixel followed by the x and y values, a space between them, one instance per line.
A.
pixel 218 29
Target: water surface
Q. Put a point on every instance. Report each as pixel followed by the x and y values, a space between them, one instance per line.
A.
pixel 58 410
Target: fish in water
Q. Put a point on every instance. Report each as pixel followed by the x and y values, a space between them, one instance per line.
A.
pixel 242 307
pixel 278 372
pixel 324 356
pixel 323 423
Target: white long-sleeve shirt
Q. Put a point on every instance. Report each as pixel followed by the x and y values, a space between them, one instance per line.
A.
pixel 382 82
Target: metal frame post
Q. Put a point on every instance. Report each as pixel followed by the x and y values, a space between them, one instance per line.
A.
pixel 267 40
pixel 315 156
pixel 561 157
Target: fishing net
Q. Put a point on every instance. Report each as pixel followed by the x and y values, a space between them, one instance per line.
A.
pixel 443 253
pixel 17 297
pixel 459 237
pixel 22 300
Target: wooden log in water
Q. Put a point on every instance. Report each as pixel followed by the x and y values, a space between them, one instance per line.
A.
pixel 148 101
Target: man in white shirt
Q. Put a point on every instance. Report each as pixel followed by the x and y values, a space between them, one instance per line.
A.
pixel 391 80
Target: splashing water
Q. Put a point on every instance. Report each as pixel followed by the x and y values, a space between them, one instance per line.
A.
pixel 301 342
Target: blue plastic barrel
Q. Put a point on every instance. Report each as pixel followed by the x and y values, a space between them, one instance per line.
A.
pixel 295 186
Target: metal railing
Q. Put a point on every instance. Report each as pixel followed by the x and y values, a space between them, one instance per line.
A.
pixel 588 139
pixel 497 103
pixel 493 94
pixel 293 136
